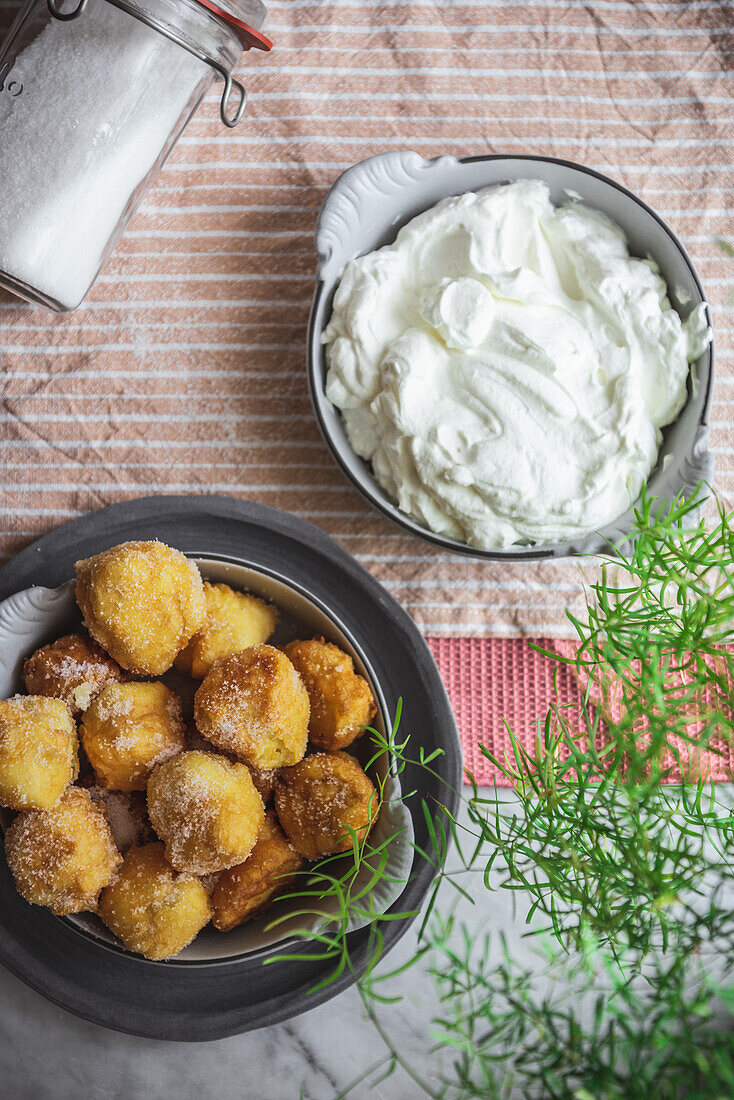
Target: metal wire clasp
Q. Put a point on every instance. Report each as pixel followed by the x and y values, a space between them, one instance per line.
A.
pixel 230 84
pixel 66 16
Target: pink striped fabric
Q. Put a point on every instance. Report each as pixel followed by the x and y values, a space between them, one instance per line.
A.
pixel 501 684
pixel 184 371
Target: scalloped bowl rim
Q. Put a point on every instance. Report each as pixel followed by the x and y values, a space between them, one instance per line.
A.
pixel 364 210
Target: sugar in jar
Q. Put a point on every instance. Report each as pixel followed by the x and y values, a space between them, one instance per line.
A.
pixel 92 100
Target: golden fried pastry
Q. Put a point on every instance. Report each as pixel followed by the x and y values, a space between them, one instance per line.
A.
pixel 234 621
pixel 143 602
pixel 62 857
pixel 341 700
pixel 128 730
pixel 73 668
pixel 207 811
pixel 320 798
pixel 245 890
pixel 264 779
pixel 152 908
pixel 38 752
pixel 254 704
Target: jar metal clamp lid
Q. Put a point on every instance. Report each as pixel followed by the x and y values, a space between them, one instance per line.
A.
pixel 249 37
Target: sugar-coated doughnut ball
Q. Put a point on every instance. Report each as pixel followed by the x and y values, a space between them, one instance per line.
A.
pixel 62 857
pixel 244 891
pixel 152 908
pixel 254 704
pixel 263 778
pixel 128 730
pixel 73 668
pixel 234 621
pixel 206 810
pixel 320 798
pixel 38 751
pixel 143 602
pixel 341 700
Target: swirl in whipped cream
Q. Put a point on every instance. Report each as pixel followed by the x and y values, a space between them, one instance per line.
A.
pixel 506 366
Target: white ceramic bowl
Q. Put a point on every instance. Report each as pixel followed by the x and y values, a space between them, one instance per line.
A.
pixel 365 209
pixel 35 616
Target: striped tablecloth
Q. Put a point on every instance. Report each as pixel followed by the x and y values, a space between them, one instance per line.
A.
pixel 184 371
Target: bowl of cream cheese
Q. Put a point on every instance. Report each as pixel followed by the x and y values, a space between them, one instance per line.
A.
pixel 504 350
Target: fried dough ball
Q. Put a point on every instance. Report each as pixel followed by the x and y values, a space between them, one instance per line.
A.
pixel 142 601
pixel 38 752
pixel 244 891
pixel 234 621
pixel 128 730
pixel 264 779
pixel 207 811
pixel 62 857
pixel 152 908
pixel 319 798
pixel 254 704
pixel 341 700
pixel 73 668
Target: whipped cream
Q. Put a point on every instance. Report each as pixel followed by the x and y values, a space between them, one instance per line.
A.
pixel 506 366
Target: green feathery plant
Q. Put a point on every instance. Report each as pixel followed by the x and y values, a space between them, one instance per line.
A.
pixel 617 837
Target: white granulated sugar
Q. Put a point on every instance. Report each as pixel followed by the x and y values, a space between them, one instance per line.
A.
pixel 70 666
pixel 100 97
pixel 112 707
pixel 167 752
pixel 123 741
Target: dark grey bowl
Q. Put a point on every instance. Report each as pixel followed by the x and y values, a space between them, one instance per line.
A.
pixel 365 209
pixel 203 998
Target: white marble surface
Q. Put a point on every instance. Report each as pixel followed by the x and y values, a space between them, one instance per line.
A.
pixel 46 1054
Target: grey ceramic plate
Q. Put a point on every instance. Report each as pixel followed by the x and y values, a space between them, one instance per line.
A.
pixel 208 999
pixel 371 201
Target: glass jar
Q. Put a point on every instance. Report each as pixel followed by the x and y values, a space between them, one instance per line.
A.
pixel 92 101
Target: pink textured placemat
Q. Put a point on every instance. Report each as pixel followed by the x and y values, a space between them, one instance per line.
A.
pixel 493 681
